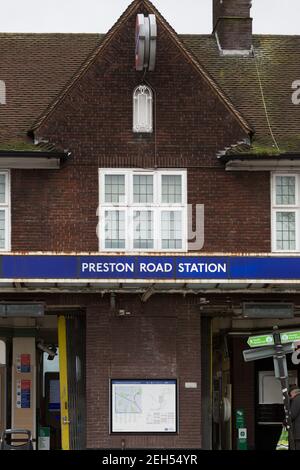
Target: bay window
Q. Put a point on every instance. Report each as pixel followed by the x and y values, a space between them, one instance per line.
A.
pixel 142 210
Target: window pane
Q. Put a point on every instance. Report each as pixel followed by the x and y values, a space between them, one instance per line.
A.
pixel 285 190
pixel 114 229
pixel 115 188
pixel 2 229
pixel 171 229
pixel 2 189
pixel 143 229
pixel 285 230
pixel 171 188
pixel 143 188
pixel 142 109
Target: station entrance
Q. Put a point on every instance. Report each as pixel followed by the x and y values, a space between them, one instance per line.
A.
pixel 42 380
pixel 246 395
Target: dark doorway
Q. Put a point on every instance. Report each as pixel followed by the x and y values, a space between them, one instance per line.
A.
pixel 269 413
pixel 75 329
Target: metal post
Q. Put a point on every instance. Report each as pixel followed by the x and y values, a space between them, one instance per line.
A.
pixel 284 380
pixel 63 383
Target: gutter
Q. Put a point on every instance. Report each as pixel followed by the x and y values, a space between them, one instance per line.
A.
pixel 30 159
pixel 33 154
pixel 259 157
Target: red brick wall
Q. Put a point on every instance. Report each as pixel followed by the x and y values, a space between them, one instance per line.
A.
pixel 232 202
pixel 56 210
pixel 161 339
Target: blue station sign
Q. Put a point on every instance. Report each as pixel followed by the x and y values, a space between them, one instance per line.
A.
pixel 77 267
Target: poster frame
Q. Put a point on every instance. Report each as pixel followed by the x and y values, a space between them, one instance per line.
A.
pixel 143 433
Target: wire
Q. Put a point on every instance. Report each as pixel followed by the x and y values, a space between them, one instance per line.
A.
pixel 154 115
pixel 264 102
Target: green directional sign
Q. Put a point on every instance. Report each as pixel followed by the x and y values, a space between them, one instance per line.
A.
pixel 290 336
pixel 239 418
pixel 263 340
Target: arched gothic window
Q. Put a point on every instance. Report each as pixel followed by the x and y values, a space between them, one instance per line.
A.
pixel 142 109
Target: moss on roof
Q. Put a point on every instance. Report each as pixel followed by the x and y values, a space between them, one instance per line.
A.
pixel 19 146
pixel 27 146
pixel 259 86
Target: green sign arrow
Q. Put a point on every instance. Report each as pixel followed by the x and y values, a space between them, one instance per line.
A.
pixel 290 336
pixel 263 340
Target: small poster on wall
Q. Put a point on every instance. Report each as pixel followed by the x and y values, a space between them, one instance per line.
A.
pixel 44 438
pixel 23 363
pixel 23 393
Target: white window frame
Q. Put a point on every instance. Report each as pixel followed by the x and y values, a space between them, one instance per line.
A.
pixel 102 218
pixel 129 206
pixel 285 208
pixel 171 208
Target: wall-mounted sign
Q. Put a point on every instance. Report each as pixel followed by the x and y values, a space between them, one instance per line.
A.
pixel 145 42
pixel 149 267
pixel 242 439
pixel 44 438
pixel 23 363
pixel 239 418
pixel 23 393
pixel 22 309
pixel 143 406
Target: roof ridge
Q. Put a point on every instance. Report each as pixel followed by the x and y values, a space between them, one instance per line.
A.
pixel 18 33
pixel 83 33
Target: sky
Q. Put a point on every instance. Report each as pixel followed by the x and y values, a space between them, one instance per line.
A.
pixel 97 16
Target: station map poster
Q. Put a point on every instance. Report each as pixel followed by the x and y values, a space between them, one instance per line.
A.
pixel 144 406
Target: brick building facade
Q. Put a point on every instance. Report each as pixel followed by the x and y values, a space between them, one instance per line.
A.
pixel 214 110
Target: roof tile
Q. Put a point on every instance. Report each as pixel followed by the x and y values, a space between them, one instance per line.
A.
pixel 37 67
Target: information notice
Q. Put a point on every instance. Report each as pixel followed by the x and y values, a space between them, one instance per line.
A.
pixel 143 406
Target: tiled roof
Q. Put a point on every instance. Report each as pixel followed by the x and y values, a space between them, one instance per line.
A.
pixel 37 67
pixel 260 87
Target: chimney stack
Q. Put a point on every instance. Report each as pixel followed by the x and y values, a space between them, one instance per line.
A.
pixel 232 26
